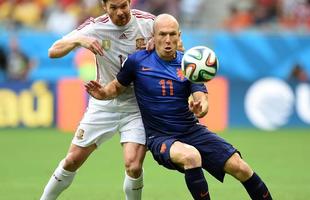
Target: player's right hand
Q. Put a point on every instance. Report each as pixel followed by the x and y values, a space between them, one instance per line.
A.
pixel 95 89
pixel 92 44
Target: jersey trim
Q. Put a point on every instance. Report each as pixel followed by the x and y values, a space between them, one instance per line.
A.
pixel 103 19
pixel 87 22
pixel 143 15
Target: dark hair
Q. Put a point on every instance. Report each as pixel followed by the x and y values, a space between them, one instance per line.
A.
pixel 105 1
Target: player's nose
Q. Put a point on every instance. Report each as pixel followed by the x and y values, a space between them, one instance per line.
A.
pixel 168 39
pixel 119 12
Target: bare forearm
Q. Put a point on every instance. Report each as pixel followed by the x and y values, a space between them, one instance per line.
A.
pixel 110 91
pixel 62 47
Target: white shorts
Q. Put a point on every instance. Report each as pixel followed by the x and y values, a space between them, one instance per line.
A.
pixel 97 126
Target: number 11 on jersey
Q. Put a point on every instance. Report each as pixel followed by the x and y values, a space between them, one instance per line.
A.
pixel 165 83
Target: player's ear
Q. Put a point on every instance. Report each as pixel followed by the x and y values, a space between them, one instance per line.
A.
pixel 104 5
pixel 180 43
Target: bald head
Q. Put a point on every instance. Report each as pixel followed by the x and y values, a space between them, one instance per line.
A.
pixel 165 19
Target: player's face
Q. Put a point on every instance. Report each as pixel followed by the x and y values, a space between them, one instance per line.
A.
pixel 118 11
pixel 166 37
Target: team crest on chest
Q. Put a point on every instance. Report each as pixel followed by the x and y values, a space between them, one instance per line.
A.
pixel 106 44
pixel 180 74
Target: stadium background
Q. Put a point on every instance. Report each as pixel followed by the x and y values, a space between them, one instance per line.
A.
pixel 258 101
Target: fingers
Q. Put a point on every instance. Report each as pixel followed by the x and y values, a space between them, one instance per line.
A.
pixel 195 106
pixel 93 45
pixel 87 87
pixel 95 84
pixel 93 88
pixel 150 45
pixel 96 48
pixel 91 85
pixel 191 104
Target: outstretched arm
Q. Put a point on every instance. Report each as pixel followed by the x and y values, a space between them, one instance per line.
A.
pixel 63 46
pixel 100 92
pixel 199 106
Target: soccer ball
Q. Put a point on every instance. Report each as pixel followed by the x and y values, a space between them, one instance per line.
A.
pixel 199 64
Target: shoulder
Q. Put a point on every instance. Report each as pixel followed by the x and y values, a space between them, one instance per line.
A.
pixel 94 21
pixel 102 19
pixel 139 56
pixel 87 22
pixel 180 55
pixel 142 15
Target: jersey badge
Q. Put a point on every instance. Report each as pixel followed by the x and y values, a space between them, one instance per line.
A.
pixel 106 44
pixel 79 134
pixel 180 74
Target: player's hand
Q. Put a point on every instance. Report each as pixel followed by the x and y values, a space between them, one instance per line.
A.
pixel 150 45
pixel 91 44
pixel 197 108
pixel 95 89
pixel 180 46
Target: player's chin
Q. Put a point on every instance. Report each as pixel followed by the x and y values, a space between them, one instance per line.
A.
pixel 169 52
pixel 122 22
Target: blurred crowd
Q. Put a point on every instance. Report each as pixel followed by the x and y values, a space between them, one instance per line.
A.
pixel 61 16
pixel 286 14
pixel 15 65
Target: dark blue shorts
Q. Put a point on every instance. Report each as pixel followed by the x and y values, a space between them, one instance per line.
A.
pixel 214 150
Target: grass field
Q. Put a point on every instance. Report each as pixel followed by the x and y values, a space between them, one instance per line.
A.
pixel 29 156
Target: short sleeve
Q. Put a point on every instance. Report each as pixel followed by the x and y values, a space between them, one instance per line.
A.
pixel 127 72
pixel 198 87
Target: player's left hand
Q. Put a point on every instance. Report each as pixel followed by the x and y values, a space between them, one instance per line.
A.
pixel 150 45
pixel 180 46
pixel 95 89
pixel 197 108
